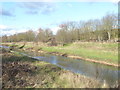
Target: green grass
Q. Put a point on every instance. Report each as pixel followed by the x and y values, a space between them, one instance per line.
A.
pixel 105 52
pixel 46 73
pixel 94 50
pixel 45 76
pixel 52 76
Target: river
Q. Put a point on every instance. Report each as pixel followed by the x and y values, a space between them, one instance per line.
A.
pixel 97 71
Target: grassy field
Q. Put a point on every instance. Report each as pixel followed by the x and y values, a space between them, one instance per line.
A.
pixel 23 72
pixel 107 52
pixel 97 51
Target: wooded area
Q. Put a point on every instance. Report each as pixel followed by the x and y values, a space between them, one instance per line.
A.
pixel 104 29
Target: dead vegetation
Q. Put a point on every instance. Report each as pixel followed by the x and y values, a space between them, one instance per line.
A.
pixel 15 73
pixel 23 72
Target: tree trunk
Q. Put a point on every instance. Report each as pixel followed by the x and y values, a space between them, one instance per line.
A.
pixel 99 39
pixel 109 36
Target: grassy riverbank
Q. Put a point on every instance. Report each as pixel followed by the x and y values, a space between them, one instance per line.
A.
pixel 103 52
pixel 107 52
pixel 23 72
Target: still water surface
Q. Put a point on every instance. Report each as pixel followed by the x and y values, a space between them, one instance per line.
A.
pixel 93 70
pixel 97 71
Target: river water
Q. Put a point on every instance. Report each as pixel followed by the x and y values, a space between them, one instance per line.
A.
pixel 93 70
pixel 97 71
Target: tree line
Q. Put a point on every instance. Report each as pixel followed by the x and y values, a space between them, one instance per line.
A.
pixel 104 29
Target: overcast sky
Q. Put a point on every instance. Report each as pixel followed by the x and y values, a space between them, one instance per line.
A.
pixel 21 16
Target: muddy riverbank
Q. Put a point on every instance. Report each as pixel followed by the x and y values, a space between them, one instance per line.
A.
pixel 61 52
pixel 71 56
pixel 23 72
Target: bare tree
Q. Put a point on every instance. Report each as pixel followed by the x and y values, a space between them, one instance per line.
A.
pixel 108 23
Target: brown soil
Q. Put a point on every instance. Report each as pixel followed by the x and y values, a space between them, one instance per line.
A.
pixel 15 73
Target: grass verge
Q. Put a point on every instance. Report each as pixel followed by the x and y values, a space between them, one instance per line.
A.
pixel 107 52
pixel 23 72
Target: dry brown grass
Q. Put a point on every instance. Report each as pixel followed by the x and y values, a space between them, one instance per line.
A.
pixel 23 72
pixel 73 80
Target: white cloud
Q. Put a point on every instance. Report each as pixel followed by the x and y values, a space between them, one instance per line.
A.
pixel 114 1
pixel 7 30
pixel 55 29
pixel 3 26
pixel 37 7
pixel 13 31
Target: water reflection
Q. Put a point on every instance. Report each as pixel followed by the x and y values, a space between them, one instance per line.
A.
pixel 4 47
pixel 97 71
